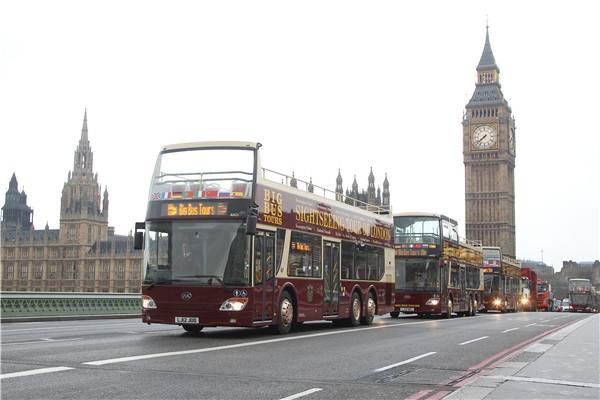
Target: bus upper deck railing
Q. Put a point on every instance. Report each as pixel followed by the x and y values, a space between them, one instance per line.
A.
pixel 292 181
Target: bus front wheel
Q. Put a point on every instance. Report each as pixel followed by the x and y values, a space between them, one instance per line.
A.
pixel 192 328
pixel 286 313
pixel 449 309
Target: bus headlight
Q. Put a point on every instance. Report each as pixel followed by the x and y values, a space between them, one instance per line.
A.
pixel 234 304
pixel 497 302
pixel 524 300
pixel 432 302
pixel 147 302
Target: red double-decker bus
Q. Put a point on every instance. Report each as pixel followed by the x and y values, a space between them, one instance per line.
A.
pixel 502 281
pixel 529 289
pixel 436 271
pixel 228 243
pixel 582 296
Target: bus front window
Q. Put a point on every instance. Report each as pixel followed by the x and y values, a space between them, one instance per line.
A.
pixel 417 275
pixel 197 252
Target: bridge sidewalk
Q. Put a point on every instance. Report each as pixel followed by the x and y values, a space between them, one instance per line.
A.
pixel 564 365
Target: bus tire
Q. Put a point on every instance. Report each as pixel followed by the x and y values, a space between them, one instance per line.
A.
pixel 192 328
pixel 370 311
pixel 355 309
pixel 394 314
pixel 449 309
pixel 285 318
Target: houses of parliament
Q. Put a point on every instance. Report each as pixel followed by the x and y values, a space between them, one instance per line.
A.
pixel 83 255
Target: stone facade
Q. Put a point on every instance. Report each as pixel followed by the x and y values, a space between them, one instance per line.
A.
pixel 83 255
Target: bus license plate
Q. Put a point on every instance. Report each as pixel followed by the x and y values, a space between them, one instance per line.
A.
pixel 407 309
pixel 187 320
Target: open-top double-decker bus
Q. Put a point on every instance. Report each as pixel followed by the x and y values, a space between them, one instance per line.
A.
pixel 228 243
pixel 502 281
pixel 436 271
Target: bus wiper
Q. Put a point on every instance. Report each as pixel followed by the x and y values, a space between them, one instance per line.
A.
pixel 210 280
pixel 159 281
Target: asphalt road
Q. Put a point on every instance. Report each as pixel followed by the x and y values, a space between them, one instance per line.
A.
pixel 393 358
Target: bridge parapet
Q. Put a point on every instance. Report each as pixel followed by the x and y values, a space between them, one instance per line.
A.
pixel 39 304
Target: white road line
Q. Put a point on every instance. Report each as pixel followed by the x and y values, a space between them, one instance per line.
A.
pixel 508 330
pixel 247 344
pixel 542 380
pixel 473 340
pixel 42 340
pixel 302 394
pixel 405 362
pixel 34 372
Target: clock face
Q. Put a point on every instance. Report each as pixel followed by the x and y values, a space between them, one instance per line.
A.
pixel 484 137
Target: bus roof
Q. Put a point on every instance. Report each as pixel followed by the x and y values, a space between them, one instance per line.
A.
pixel 424 214
pixel 197 145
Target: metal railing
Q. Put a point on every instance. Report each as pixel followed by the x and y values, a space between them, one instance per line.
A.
pixel 37 304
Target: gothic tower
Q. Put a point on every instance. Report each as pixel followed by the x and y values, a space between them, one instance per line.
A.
pixel 489 158
pixel 15 211
pixel 83 217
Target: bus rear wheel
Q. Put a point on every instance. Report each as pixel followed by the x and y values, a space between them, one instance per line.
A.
pixel 355 310
pixel 286 314
pixel 370 311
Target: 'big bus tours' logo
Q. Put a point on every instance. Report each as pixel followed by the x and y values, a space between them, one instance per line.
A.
pixel 273 202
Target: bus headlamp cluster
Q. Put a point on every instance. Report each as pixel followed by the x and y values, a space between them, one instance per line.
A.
pixel 234 304
pixel 148 302
pixel 433 302
pixel 524 300
pixel 497 302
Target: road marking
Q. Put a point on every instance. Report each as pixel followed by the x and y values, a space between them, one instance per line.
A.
pixel 404 362
pixel 508 330
pixel 247 344
pixel 542 380
pixel 34 372
pixel 302 394
pixel 41 340
pixel 473 340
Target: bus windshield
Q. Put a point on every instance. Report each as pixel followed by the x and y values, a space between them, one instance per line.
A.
pixel 415 229
pixel 203 172
pixel 415 274
pixel 197 252
pixel 493 285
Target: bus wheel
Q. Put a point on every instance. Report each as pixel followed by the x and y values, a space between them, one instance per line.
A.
pixel 449 311
pixel 394 314
pixel 192 328
pixel 371 310
pixel 286 313
pixel 355 310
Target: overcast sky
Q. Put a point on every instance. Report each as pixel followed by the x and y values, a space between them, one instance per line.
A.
pixel 323 85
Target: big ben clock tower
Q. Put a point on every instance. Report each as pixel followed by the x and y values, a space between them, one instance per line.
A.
pixel 489 158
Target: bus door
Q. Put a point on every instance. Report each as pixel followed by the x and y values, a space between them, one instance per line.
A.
pixel 463 286
pixel 264 272
pixel 331 278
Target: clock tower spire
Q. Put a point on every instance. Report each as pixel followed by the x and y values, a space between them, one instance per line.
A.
pixel 489 158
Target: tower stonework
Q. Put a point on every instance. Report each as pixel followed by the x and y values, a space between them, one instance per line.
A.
pixel 83 255
pixel 489 158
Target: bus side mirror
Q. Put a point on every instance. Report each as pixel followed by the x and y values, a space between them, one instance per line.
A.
pixel 251 224
pixel 138 238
